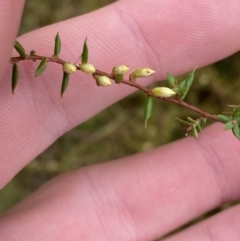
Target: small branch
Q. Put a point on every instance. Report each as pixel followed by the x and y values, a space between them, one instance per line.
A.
pixel 176 100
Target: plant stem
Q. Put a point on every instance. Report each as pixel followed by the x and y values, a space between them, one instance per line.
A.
pixel 175 100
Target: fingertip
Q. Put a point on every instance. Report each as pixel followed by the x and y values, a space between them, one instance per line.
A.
pixel 10 17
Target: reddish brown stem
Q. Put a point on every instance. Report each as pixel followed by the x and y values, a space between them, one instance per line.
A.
pixel 176 100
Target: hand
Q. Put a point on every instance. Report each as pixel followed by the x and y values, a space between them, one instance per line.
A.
pixel 140 197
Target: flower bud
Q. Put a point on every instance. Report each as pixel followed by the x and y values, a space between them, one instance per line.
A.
pixel 142 73
pixel 163 92
pixel 87 68
pixel 120 69
pixel 103 80
pixel 69 68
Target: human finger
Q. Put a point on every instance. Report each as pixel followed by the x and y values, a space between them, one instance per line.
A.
pixel 220 227
pixel 10 17
pixel 141 197
pixel 153 39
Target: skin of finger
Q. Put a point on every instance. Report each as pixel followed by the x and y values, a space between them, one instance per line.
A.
pixel 221 227
pixel 141 197
pixel 10 17
pixel 36 116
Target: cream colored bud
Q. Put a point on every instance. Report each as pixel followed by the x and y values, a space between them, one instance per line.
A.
pixel 142 73
pixel 163 92
pixel 120 69
pixel 87 68
pixel 69 68
pixel 103 80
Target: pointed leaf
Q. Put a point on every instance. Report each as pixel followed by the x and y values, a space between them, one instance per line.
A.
pixel 41 67
pixel 65 81
pixel 148 109
pixel 236 131
pixel 229 125
pixel 57 45
pixel 14 77
pixel 186 84
pixel 20 49
pixel 186 123
pixel 84 55
pixel 181 90
pixel 191 120
pixel 203 122
pixel 237 118
pixel 183 85
pixel 198 127
pixel 224 118
pixel 172 81
pixel 195 132
pixel 236 113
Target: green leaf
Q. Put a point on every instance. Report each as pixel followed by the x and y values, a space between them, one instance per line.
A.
pixel 172 81
pixel 57 45
pixel 224 118
pixel 191 120
pixel 203 122
pixel 118 78
pixel 200 124
pixel 181 90
pixel 148 109
pixel 237 118
pixel 195 132
pixel 41 67
pixel 85 52
pixel 182 84
pixel 65 81
pixel 186 123
pixel 236 131
pixel 190 78
pixel 186 84
pixel 14 77
pixel 229 125
pixel 236 113
pixel 198 127
pixel 20 49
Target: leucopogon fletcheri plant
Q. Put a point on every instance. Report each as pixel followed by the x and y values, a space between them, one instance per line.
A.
pixel 175 93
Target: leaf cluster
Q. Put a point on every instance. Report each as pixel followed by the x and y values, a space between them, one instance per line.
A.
pixel 193 127
pixel 183 87
pixel 232 121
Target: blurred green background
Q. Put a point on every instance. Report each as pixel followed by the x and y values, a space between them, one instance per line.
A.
pixel 118 131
